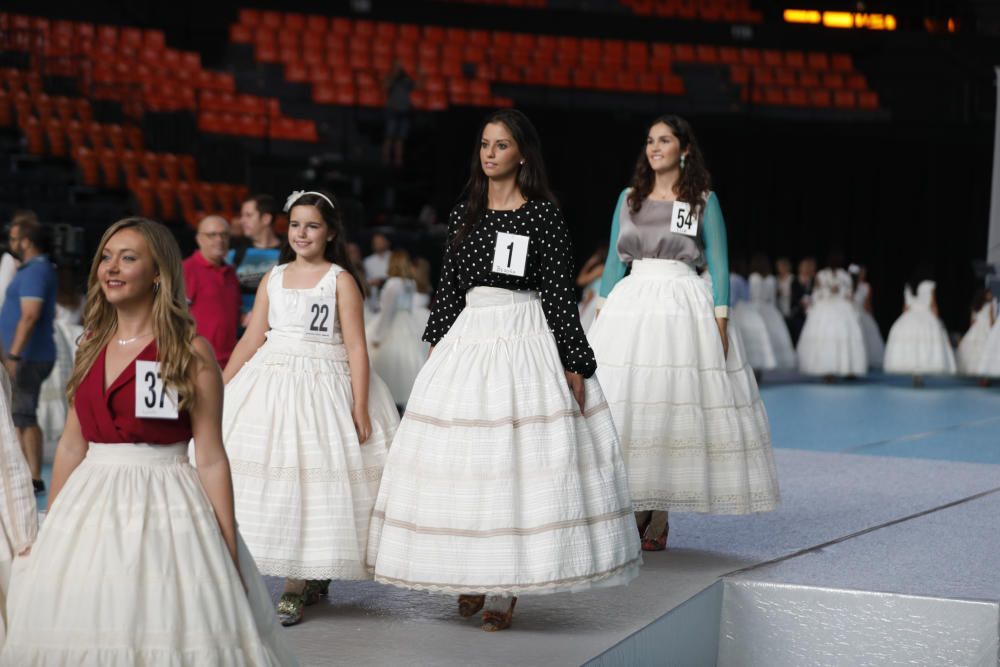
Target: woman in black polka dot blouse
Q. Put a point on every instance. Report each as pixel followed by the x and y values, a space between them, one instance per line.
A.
pixel 505 477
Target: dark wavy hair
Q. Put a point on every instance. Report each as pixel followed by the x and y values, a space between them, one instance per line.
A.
pixel 695 179
pixel 532 179
pixel 336 250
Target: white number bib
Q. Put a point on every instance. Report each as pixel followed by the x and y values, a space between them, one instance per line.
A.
pixel 510 254
pixel 320 314
pixel 153 400
pixel 683 220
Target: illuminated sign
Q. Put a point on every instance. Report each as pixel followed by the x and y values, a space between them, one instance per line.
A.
pixel 841 19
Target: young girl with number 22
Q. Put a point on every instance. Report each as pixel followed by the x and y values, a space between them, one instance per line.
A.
pixel 306 423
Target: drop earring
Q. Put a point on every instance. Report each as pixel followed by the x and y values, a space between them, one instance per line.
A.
pixel 682 160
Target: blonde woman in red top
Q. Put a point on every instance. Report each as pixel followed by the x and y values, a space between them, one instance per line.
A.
pixel 139 559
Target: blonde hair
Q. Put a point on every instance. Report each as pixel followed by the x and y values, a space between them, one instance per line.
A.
pixel 400 265
pixel 173 326
pixel 422 274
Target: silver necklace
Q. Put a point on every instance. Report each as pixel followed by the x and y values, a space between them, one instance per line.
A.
pixel 126 341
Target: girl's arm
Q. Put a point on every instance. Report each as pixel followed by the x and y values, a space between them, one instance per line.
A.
pixel 210 455
pixel 253 337
pixel 350 308
pixel 70 451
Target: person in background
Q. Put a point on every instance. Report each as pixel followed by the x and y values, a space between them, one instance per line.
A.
pixel 398 86
pixel 258 253
pixel 9 263
pixel 801 292
pixel 783 270
pixel 26 323
pixel 376 265
pixel 213 290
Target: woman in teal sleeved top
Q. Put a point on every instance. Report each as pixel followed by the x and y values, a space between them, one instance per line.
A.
pixel 685 403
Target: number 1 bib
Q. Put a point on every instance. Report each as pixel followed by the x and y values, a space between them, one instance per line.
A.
pixel 320 313
pixel 683 220
pixel 153 400
pixel 510 254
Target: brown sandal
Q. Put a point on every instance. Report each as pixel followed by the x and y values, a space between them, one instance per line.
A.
pixel 494 620
pixel 468 605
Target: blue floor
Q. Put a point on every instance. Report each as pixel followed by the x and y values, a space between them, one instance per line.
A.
pixel 947 419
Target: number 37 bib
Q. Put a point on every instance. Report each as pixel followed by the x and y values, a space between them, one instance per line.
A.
pixel 153 399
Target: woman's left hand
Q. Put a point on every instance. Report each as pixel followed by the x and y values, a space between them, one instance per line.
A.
pixel 575 382
pixel 723 324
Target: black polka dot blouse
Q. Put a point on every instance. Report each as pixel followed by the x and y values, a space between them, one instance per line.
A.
pixel 548 270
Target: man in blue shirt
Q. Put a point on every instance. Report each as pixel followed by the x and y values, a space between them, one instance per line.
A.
pixel 258 251
pixel 26 322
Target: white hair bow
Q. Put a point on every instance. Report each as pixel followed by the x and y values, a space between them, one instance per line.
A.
pixel 292 198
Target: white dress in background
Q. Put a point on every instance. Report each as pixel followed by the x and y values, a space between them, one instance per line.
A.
pixel 989 365
pixel 745 319
pixel 8 269
pixel 973 345
pixel 18 511
pixel 763 297
pixel 918 343
pixel 832 342
pixel 874 345
pixel 421 310
pixel 52 405
pixel 397 352
pixel 304 486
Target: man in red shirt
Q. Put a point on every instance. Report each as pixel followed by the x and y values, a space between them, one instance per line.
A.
pixel 213 291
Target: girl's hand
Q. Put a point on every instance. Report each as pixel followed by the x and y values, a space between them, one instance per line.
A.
pixel 575 382
pixel 362 423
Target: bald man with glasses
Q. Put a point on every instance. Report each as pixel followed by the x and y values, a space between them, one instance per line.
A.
pixel 213 290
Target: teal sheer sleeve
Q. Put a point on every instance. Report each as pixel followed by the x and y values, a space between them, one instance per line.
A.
pixel 713 234
pixel 614 268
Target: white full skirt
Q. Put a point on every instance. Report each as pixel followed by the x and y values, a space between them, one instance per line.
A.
pixel 989 363
pixel 918 345
pixel 691 421
pixel 777 331
pixel 874 345
pixel 759 350
pixel 304 486
pixel 832 342
pixel 130 568
pixel 400 355
pixel 496 482
pixel 972 348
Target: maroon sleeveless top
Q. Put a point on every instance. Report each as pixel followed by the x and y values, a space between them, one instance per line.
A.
pixel 109 416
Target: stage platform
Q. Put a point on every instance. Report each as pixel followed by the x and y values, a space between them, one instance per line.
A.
pixel 885 550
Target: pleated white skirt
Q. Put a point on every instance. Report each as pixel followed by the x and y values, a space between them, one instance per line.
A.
pixel 691 421
pixel 495 481
pixel 832 342
pixel 304 486
pixel 130 568
pixel 918 345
